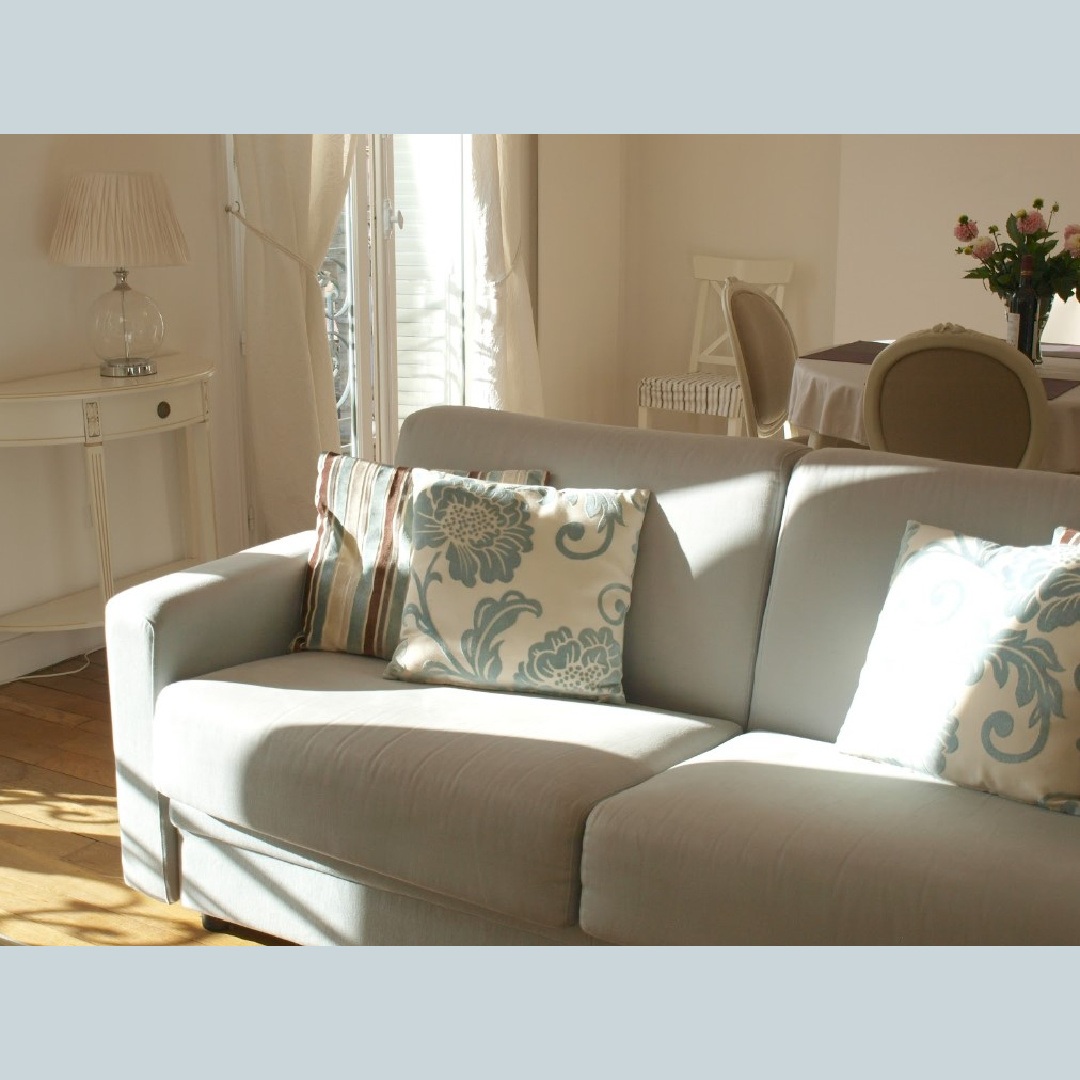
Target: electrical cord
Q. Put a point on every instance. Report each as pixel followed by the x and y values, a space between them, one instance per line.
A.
pixel 59 674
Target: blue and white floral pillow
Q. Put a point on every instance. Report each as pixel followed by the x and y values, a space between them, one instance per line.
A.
pixel 518 588
pixel 973 672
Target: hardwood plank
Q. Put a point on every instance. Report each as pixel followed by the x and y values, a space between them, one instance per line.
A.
pixel 88 742
pixel 15 704
pixel 15 728
pixel 97 727
pixel 15 725
pixel 46 697
pixel 55 843
pixel 63 802
pixel 94 674
pixel 76 685
pixel 67 762
pixel 96 743
pixel 101 858
pixel 47 902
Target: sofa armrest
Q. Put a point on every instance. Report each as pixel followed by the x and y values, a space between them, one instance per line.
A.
pixel 239 608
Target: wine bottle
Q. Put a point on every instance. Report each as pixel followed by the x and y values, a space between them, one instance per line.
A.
pixel 1024 310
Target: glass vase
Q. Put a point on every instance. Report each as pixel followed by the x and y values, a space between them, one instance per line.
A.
pixel 1045 303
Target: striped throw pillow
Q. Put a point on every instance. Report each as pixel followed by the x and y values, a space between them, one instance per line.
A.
pixel 358 570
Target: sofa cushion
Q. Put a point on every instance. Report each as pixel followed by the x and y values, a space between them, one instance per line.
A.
pixel 518 588
pixel 471 794
pixel 844 515
pixel 706 548
pixel 775 839
pixel 970 672
pixel 358 566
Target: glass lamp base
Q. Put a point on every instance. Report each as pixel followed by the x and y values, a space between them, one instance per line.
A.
pixel 126 329
pixel 123 369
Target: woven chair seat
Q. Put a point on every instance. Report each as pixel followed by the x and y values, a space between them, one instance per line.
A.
pixel 701 392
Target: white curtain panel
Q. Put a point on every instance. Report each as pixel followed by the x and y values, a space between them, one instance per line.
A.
pixel 502 363
pixel 292 189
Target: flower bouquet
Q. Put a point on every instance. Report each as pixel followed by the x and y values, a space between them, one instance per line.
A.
pixel 1028 233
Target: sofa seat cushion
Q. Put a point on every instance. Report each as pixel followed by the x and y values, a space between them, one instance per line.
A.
pixel 472 794
pixel 777 839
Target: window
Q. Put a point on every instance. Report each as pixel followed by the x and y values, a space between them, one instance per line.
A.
pixel 395 283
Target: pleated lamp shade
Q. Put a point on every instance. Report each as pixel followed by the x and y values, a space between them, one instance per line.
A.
pixel 120 220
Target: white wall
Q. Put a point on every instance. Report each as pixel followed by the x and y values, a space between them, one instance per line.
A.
pixel 46 541
pixel 900 196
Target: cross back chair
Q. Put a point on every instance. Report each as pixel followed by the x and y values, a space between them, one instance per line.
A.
pixel 956 394
pixel 711 387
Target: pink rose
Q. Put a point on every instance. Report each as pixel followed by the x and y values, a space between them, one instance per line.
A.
pixel 1072 244
pixel 1071 230
pixel 966 230
pixel 1030 222
pixel 983 247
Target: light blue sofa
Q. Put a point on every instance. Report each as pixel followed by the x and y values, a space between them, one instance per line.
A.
pixel 304 795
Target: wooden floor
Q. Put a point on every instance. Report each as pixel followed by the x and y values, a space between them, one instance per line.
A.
pixel 60 877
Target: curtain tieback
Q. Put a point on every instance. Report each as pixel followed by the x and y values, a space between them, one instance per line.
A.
pixel 234 209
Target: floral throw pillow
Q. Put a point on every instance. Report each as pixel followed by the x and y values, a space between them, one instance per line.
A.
pixel 358 569
pixel 519 588
pixel 973 672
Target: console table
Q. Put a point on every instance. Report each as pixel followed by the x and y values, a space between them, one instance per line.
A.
pixel 84 407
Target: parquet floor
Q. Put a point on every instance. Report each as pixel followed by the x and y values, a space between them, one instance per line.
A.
pixel 60 877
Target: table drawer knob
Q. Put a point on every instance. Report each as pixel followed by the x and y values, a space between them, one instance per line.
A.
pixel 163 409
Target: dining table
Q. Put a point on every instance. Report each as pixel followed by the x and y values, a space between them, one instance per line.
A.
pixel 827 390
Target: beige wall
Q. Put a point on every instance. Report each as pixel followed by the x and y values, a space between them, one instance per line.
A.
pixel 579 261
pixel 621 218
pixel 900 196
pixel 867 218
pixel 46 540
pixel 745 196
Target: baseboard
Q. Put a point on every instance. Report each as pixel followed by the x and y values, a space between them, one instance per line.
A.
pixel 21 654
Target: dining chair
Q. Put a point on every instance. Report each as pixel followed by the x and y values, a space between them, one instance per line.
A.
pixel 957 394
pixel 765 352
pixel 710 386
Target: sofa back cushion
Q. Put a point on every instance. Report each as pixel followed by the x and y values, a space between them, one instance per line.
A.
pixel 706 546
pixel 845 515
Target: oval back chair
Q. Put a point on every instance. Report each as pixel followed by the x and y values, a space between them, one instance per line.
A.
pixel 957 394
pixel 765 354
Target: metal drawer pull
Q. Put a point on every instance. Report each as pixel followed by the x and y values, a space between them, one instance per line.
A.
pixel 163 409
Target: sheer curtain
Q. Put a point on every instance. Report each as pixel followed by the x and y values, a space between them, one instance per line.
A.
pixel 292 189
pixel 502 366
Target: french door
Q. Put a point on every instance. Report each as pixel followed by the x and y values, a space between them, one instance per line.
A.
pixel 394 282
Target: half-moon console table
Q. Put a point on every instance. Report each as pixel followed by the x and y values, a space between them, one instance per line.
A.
pixel 84 407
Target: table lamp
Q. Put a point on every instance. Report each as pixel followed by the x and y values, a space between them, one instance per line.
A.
pixel 120 220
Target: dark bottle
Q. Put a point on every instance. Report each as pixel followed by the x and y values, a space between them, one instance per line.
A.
pixel 1024 311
